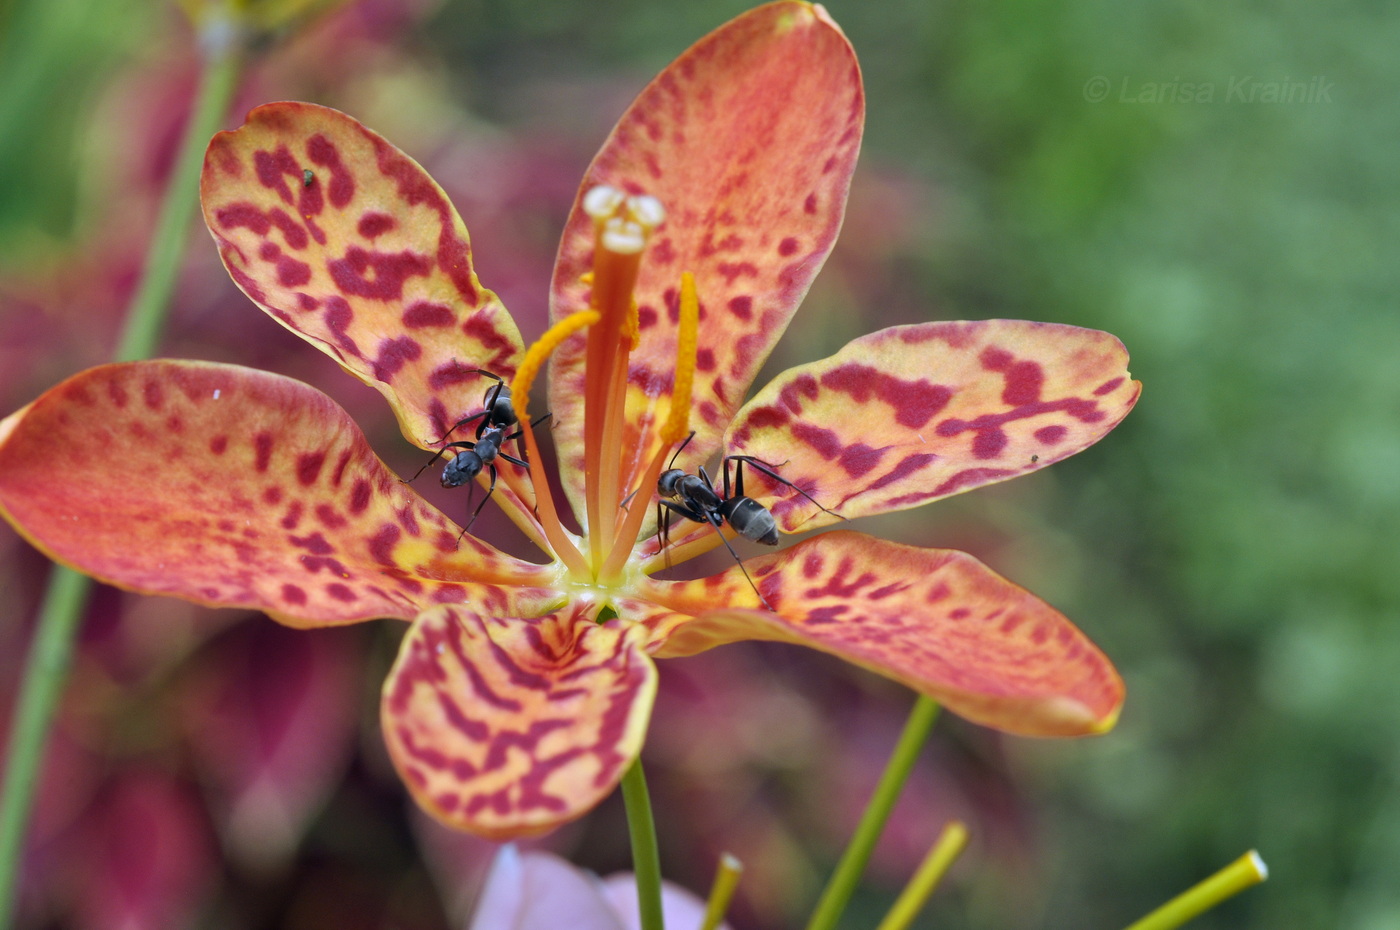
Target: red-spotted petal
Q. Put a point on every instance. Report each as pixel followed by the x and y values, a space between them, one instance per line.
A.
pixel 911 414
pixel 237 488
pixel 936 620
pixel 349 243
pixel 749 140
pixel 506 727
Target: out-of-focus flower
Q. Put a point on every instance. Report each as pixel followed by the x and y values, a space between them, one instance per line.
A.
pixel 522 691
pixel 540 891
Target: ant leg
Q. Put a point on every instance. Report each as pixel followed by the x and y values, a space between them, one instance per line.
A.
pixel 740 562
pixel 521 432
pixel 663 522
pixel 767 470
pixel 705 477
pixel 663 531
pixel 481 371
pixel 461 423
pixel 451 445
pixel 477 512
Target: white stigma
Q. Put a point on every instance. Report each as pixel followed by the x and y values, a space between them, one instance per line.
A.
pixel 624 222
pixel 602 202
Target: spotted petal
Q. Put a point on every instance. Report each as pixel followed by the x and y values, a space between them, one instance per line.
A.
pixel 912 414
pixel 749 139
pixel 936 620
pixel 236 488
pixel 349 243
pixel 506 727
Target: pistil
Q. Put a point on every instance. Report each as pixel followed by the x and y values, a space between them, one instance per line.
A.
pixel 622 226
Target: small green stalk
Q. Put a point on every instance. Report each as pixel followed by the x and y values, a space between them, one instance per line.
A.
pixel 1245 872
pixel 646 858
pixel 848 871
pixel 722 891
pixel 46 668
pixel 945 851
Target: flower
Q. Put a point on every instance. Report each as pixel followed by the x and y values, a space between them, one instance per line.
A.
pixel 522 691
pixel 540 891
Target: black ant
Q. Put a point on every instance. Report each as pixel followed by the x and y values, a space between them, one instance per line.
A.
pixel 695 498
pixel 492 432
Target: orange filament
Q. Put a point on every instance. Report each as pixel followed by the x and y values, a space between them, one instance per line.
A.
pixel 520 385
pixel 673 431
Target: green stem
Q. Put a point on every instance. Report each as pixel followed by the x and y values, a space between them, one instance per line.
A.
pixel 45 672
pixel 150 305
pixel 848 871
pixel 46 667
pixel 646 858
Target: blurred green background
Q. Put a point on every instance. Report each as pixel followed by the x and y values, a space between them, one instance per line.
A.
pixel 1231 546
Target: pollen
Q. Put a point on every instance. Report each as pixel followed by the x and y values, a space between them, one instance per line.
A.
pixel 687 342
pixel 539 353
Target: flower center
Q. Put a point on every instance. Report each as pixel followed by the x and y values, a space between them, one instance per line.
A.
pixel 622 226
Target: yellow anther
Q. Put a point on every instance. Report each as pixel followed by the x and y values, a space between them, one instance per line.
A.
pixel 677 425
pixel 633 332
pixel 538 353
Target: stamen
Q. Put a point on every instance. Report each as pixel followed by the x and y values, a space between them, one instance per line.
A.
pixel 634 327
pixel 539 353
pixel 687 344
pixel 520 385
pixel 676 427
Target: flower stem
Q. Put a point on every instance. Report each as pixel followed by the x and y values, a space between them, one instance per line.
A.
pixel 848 871
pixel 1244 872
pixel 45 671
pixel 646 858
pixel 911 900
pixel 47 664
pixel 151 304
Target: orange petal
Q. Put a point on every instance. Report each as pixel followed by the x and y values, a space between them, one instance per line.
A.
pixel 507 728
pixel 936 620
pixel 349 243
pixel 749 140
pixel 912 414
pixel 233 487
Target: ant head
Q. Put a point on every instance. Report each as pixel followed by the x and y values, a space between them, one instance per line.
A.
pixel 666 484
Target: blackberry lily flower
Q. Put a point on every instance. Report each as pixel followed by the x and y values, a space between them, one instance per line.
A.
pixel 522 691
